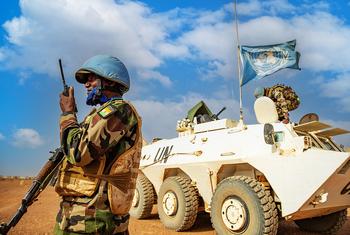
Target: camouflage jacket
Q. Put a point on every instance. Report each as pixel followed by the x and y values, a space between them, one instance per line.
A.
pixel 92 146
pixel 285 99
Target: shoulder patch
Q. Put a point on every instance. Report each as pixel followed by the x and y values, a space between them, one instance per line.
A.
pixel 107 111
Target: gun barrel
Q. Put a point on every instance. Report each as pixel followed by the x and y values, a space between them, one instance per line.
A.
pixel 222 110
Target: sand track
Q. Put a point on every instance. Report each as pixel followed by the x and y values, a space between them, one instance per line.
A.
pixel 40 217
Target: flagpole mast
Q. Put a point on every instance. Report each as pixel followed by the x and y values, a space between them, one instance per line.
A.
pixel 238 64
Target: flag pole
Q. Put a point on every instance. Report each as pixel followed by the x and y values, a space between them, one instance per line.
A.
pixel 238 64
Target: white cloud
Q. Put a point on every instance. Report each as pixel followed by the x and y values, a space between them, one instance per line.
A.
pixel 214 41
pixel 320 5
pixel 168 50
pixel 145 40
pixel 2 54
pixel 23 76
pixel 2 136
pixel 320 51
pixel 27 138
pixel 271 7
pixel 278 7
pixel 337 88
pixel 76 30
pixel 19 28
pixel 210 43
pixel 154 75
pixel 206 38
pixel 251 8
pixel 210 17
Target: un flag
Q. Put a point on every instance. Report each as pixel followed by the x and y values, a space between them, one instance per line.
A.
pixel 260 61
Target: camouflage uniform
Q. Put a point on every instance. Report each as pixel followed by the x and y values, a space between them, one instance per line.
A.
pixel 285 99
pixel 94 148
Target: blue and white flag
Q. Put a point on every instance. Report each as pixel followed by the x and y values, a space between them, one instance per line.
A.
pixel 260 61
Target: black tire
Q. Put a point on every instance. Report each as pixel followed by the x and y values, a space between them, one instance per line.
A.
pixel 143 201
pixel 274 213
pixel 182 216
pixel 240 205
pixel 327 224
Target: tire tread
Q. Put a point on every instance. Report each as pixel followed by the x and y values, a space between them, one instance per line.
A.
pixel 266 201
pixel 191 198
pixel 190 194
pixel 148 194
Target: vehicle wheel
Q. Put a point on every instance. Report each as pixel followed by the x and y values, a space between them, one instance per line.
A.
pixel 177 203
pixel 240 205
pixel 143 200
pixel 327 224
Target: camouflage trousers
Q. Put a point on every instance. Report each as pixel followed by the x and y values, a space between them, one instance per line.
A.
pixel 82 215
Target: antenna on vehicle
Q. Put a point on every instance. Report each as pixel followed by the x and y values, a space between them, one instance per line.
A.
pixel 238 65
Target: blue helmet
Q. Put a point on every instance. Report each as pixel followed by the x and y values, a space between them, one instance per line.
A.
pixel 108 67
pixel 259 91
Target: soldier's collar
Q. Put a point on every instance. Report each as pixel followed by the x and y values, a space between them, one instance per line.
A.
pixel 116 98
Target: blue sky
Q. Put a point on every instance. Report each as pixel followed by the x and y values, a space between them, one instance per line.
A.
pixel 177 52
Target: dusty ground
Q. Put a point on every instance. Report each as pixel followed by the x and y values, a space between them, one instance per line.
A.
pixel 40 217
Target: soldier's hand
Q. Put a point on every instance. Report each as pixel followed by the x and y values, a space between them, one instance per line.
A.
pixel 67 103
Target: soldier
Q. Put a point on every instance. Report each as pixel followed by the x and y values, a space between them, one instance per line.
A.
pixel 284 97
pixel 97 179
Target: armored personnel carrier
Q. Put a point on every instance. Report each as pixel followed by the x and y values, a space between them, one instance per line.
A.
pixel 246 176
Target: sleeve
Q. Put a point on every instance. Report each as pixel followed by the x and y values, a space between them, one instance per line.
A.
pixel 90 141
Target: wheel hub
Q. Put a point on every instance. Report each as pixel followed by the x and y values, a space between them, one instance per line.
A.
pixel 136 198
pixel 170 203
pixel 233 214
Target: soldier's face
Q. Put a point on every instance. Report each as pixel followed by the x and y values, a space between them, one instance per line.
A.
pixel 91 82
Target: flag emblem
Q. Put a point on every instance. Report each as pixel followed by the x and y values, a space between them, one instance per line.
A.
pixel 106 111
pixel 260 61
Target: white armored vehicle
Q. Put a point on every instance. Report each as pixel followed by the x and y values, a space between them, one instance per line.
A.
pixel 246 176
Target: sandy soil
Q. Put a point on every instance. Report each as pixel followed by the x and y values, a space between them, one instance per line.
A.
pixel 40 217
